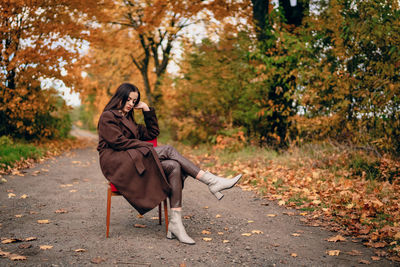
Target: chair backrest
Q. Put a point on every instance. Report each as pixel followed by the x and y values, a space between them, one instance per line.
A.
pixel 154 142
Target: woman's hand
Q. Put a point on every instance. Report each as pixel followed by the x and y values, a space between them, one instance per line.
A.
pixel 142 105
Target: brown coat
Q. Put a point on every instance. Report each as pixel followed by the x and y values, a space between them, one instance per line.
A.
pixel 128 162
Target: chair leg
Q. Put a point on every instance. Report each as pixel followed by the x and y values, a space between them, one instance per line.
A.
pixel 166 215
pixel 108 210
pixel 159 214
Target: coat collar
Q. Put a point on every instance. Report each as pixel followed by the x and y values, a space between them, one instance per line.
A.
pixel 127 122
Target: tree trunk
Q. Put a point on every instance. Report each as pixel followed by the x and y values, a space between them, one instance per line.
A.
pixel 260 12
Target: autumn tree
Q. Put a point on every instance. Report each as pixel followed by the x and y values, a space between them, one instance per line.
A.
pixel 155 26
pixel 40 39
pixel 351 75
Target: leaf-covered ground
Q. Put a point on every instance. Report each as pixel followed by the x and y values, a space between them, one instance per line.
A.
pixel 324 188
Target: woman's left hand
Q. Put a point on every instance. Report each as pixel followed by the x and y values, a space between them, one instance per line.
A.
pixel 142 105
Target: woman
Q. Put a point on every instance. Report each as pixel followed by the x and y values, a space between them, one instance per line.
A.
pixel 143 174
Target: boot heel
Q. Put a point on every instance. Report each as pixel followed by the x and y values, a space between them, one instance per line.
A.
pixel 218 195
pixel 170 235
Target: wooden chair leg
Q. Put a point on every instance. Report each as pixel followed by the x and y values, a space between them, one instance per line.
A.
pixel 166 215
pixel 108 210
pixel 159 214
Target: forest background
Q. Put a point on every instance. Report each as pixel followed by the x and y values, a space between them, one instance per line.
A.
pixel 316 80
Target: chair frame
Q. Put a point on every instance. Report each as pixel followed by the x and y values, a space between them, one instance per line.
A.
pixel 111 193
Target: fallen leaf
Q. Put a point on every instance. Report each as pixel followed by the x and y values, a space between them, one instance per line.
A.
pixel 18 216
pixel 257 232
pixel 45 170
pixel 61 211
pixel 97 260
pixel 24 196
pixel 80 250
pixel 205 232
pixel 303 213
pixel 294 255
pixel 354 252
pixel 364 262
pixel 225 241
pixel 11 195
pixel 207 239
pixel 378 245
pixel 73 191
pixel 333 252
pixel 220 233
pixel 23 246
pixel 187 217
pixel 43 221
pixel 271 215
pixel 205 207
pixel 139 216
pixel 375 258
pixel 250 221
pixel 33 212
pixel 394 258
pixel 9 240
pixel 16 257
pixel 182 264
pixel 336 238
pixel 381 253
pixel 4 253
pixel 218 216
pixel 139 225
pixel 154 218
pixel 32 238
pixel 246 234
pixel 45 247
pixel 397 236
pixel 289 213
pixel 281 202
pixel 295 234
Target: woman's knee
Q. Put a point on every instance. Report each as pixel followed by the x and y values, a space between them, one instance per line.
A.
pixel 171 165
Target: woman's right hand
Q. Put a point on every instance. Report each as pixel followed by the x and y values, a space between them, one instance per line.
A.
pixel 142 105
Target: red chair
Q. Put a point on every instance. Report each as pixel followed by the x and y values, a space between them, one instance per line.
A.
pixel 112 191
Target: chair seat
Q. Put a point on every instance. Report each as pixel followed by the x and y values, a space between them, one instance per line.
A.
pixel 113 189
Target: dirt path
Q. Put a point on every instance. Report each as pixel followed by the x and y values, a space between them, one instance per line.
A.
pixel 73 182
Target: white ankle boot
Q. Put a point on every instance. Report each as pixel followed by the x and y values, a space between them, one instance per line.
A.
pixel 176 228
pixel 217 184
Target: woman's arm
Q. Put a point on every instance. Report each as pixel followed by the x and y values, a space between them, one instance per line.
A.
pixel 111 132
pixel 151 129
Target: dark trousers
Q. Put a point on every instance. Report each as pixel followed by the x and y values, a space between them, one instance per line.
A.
pixel 176 168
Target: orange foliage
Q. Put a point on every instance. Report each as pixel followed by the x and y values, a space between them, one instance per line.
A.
pixel 36 46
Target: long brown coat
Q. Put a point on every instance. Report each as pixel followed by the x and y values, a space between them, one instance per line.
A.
pixel 128 162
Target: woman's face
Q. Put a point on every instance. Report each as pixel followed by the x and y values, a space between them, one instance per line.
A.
pixel 130 102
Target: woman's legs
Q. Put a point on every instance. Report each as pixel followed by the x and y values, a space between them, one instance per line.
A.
pixel 173 172
pixel 169 152
pixel 215 183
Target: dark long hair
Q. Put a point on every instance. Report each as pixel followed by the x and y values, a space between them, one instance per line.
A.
pixel 118 100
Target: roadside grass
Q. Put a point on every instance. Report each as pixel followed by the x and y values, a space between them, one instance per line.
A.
pixel 12 153
pixel 19 154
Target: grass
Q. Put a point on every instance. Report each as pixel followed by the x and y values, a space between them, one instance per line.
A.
pixel 12 153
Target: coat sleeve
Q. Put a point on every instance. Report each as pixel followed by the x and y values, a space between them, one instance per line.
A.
pixel 111 132
pixel 151 130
